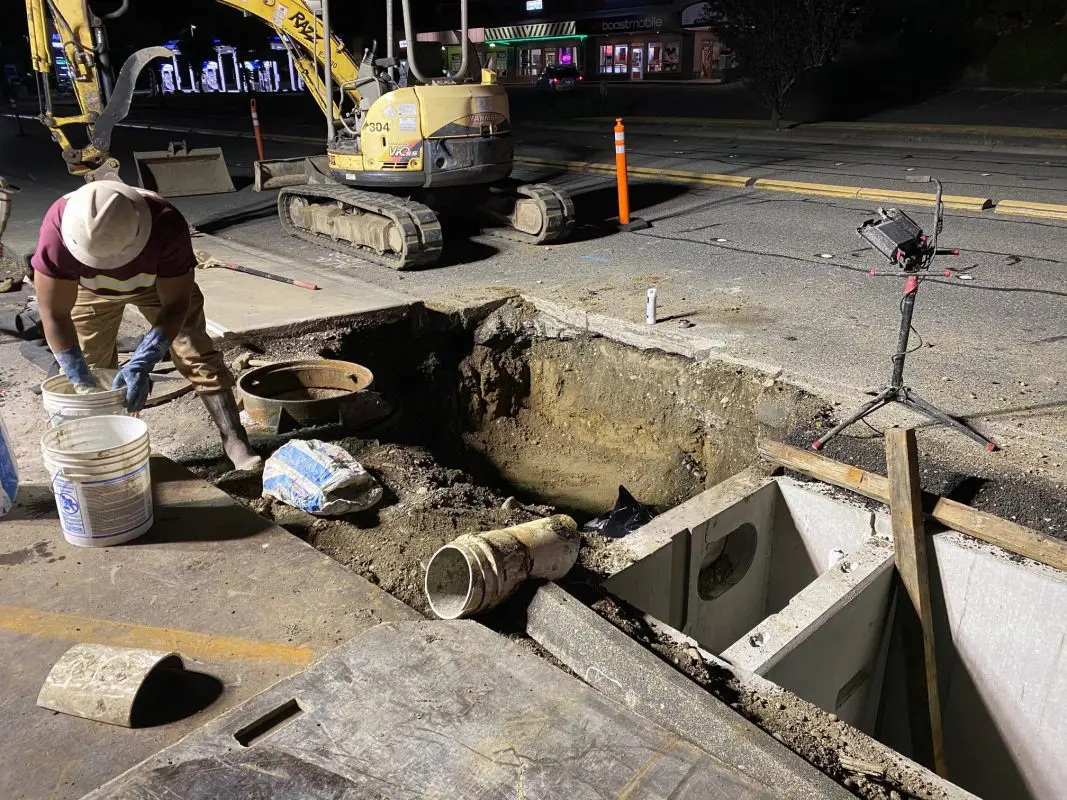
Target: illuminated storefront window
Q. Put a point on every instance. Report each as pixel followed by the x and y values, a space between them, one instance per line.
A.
pixel 636 58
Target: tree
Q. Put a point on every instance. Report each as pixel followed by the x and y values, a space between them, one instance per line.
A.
pixel 777 41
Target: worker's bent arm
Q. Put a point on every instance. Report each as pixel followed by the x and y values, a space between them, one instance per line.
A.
pixel 174 295
pixel 55 299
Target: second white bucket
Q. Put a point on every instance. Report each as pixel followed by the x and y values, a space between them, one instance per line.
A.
pixel 101 479
pixel 64 404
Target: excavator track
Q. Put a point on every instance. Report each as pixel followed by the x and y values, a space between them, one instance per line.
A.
pixel 557 213
pixel 416 226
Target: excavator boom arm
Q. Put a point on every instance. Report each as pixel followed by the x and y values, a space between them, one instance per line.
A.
pixel 299 27
pixel 100 106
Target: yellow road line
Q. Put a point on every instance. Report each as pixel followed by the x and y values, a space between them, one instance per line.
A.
pixel 78 628
pixel 799 187
pixel 956 201
pixel 1027 208
pixel 738 181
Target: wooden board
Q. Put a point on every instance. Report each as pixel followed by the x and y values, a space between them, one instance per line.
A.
pixel 989 528
pixel 909 546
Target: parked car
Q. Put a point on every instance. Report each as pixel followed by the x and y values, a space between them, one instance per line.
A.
pixel 561 78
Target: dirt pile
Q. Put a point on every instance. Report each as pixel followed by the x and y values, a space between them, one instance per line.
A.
pixel 425 506
pixel 571 417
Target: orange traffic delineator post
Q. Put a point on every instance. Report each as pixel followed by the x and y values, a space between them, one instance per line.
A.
pixel 626 222
pixel 255 129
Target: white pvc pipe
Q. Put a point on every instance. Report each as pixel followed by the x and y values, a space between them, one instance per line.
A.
pixel 476 572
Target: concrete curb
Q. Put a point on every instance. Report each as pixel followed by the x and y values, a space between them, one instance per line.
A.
pixel 1026 208
pixel 959 202
pixel 799 187
pixel 953 201
pixel 622 670
pixel 681 176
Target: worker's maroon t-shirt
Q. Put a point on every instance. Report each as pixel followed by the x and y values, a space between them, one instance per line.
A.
pixel 167 254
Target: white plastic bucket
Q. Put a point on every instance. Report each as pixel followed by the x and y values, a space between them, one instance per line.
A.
pixel 64 404
pixel 101 479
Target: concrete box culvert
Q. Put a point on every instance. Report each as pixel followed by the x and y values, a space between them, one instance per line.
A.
pixel 817 613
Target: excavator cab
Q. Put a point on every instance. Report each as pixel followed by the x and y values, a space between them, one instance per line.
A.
pixel 427 137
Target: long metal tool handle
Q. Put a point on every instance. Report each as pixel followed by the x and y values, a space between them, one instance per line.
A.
pixel 270 276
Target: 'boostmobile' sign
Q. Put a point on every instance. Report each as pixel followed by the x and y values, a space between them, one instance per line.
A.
pixel 634 24
pixel 648 23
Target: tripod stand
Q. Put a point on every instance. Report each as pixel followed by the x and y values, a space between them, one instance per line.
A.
pixel 898 238
pixel 897 392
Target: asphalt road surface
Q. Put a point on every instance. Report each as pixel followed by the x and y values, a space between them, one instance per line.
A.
pixel 774 280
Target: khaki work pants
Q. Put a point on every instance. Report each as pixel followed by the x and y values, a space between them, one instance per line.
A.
pixel 97 319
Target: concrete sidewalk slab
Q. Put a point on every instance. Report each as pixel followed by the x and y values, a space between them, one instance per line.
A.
pixel 442 709
pixel 237 303
pixel 240 598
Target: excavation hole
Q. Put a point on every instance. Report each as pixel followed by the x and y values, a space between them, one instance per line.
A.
pixel 500 416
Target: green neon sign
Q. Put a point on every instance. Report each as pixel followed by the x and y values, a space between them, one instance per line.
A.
pixel 580 37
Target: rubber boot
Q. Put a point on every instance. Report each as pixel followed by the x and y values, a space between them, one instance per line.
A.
pixel 223 410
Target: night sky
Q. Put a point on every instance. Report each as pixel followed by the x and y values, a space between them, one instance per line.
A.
pixel 155 22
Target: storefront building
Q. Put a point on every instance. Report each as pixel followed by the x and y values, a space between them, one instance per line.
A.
pixel 519 53
pixel 638 46
pixel 661 42
pixel 227 72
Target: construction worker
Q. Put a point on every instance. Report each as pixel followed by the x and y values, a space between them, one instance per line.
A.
pixel 108 245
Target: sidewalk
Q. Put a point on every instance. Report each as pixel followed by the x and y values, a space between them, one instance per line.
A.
pixel 975 138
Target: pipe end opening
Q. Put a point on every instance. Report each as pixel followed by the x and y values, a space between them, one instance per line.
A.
pixel 449 583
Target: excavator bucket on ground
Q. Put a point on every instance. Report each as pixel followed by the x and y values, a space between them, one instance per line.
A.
pixel 179 171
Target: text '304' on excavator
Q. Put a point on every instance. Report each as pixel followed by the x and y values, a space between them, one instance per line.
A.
pixel 396 155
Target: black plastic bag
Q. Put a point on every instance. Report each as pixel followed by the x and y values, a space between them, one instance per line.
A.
pixel 627 516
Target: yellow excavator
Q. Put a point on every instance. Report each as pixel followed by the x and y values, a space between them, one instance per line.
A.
pixel 395 154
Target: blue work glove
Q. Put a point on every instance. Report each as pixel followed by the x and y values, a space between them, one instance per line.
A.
pixel 74 366
pixel 136 375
